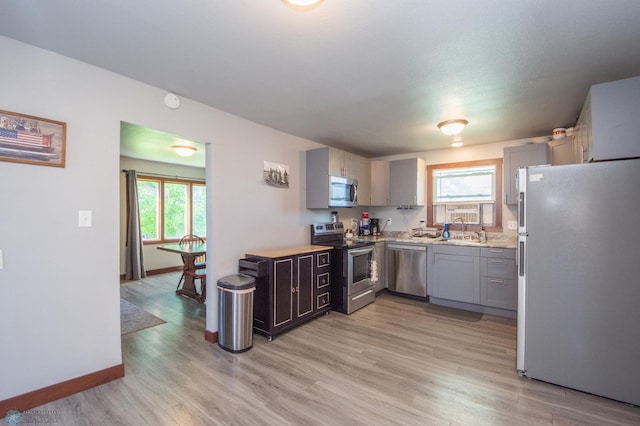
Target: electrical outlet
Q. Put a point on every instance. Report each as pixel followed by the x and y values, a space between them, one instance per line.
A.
pixel 389 221
pixel 512 224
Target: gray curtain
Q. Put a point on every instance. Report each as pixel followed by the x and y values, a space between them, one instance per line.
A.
pixel 133 262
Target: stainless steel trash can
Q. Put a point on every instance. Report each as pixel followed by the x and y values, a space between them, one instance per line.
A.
pixel 235 318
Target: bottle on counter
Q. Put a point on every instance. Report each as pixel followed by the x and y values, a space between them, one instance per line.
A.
pixel 482 235
pixel 365 223
pixel 445 232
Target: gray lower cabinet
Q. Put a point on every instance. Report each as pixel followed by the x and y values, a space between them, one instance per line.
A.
pixel 498 280
pixel 480 279
pixel 455 274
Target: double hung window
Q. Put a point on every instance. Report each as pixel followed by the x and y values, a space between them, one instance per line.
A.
pixel 467 191
pixel 170 208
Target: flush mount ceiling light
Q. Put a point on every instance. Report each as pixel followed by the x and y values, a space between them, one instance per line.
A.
pixel 452 127
pixel 302 4
pixel 457 144
pixel 184 150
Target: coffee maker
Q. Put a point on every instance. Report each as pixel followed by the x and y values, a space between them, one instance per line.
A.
pixel 375 226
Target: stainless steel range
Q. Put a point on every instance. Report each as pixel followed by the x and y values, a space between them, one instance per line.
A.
pixel 351 285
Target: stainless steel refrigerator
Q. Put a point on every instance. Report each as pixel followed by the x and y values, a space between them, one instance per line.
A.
pixel 579 277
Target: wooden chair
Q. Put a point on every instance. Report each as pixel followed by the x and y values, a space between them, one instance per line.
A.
pixel 200 265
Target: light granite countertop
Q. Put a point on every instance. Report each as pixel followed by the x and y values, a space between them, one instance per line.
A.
pixel 493 240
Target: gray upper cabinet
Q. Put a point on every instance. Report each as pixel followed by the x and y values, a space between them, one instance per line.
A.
pixel 325 162
pixel 407 182
pixel 363 174
pixel 520 156
pixel 380 183
pixel 608 127
pixel 341 163
pixel 565 151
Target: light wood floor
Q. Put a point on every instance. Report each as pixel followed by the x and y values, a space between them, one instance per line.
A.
pixel 397 361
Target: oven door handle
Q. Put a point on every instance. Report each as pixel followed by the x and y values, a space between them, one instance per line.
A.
pixel 363 294
pixel 358 252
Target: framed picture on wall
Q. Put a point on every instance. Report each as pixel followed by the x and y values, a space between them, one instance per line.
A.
pixel 276 174
pixel 32 140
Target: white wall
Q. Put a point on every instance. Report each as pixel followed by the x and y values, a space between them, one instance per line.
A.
pixel 153 258
pixel 60 283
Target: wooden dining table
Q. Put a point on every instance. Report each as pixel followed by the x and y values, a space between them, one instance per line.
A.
pixel 189 253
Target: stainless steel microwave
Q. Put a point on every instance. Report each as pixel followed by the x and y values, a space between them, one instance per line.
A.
pixel 343 192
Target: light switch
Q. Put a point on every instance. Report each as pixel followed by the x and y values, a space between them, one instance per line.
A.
pixel 84 218
pixel 512 224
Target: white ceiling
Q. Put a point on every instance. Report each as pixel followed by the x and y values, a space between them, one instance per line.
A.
pixel 370 76
pixel 151 144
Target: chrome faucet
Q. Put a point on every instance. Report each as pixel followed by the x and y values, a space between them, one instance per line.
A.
pixel 459 219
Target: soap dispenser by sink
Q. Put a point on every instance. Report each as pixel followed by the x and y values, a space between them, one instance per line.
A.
pixel 445 232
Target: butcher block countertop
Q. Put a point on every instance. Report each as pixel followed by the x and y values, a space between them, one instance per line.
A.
pixel 287 251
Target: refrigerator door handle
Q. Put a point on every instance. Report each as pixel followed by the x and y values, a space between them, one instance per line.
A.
pixel 522 306
pixel 521 258
pixel 521 213
pixel 522 196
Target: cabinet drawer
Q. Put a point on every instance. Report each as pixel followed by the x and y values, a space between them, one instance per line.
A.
pixel 498 293
pixel 322 280
pixel 323 259
pixel 498 268
pixel 502 253
pixel 457 250
pixel 322 300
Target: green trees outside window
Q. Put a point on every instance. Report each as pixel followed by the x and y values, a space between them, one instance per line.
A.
pixel 171 208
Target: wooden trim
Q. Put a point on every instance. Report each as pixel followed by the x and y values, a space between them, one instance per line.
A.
pixel 165 270
pixel 211 336
pixel 499 196
pixel 158 271
pixel 60 390
pixel 162 181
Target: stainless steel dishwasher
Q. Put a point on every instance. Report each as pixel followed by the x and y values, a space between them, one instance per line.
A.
pixel 407 269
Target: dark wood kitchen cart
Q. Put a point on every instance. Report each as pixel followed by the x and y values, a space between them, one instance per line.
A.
pixel 292 286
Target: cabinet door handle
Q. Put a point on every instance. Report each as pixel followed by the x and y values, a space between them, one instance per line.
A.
pixel 496 261
pixel 496 281
pixel 497 251
pixel 293 290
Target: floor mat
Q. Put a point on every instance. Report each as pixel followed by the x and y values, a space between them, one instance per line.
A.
pixel 134 318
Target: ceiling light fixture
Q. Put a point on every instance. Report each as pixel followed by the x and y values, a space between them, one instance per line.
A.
pixel 457 144
pixel 452 127
pixel 302 4
pixel 184 150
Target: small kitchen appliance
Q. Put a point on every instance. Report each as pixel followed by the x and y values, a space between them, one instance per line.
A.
pixel 351 285
pixel 343 192
pixel 375 226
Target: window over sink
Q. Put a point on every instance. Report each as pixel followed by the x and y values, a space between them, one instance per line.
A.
pixel 468 191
